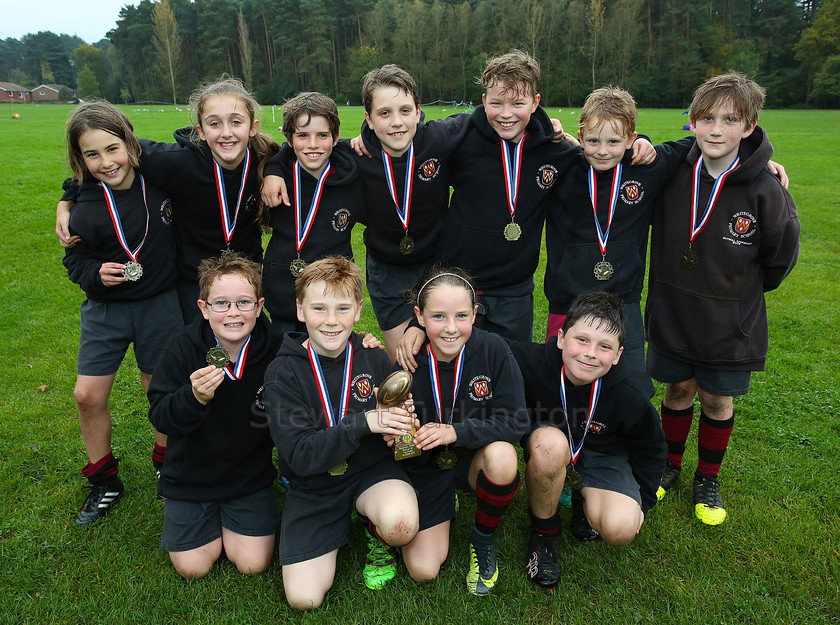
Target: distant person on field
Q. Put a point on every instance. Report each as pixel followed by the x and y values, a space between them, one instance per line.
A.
pixel 725 231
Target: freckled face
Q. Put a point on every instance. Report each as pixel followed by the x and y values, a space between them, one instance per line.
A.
pixel 329 318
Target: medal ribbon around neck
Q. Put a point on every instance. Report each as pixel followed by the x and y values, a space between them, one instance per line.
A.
pixel 235 373
pixel 332 418
pixel 593 401
pixel 603 236
pixel 229 226
pixel 403 212
pixel 696 226
pixel 302 231
pixel 115 219
pixel 512 171
pixel 435 379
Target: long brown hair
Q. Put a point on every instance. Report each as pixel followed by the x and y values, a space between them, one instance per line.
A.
pixel 261 145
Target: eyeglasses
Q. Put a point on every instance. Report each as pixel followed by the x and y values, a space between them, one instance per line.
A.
pixel 222 305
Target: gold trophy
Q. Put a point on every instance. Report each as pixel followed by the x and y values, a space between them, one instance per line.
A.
pixel 393 392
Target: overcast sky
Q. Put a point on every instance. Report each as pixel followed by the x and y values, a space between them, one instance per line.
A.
pixel 89 19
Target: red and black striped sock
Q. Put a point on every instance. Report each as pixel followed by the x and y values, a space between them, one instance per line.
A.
pixel 492 501
pixel 712 441
pixel 103 470
pixel 158 455
pixel 676 424
pixel 548 527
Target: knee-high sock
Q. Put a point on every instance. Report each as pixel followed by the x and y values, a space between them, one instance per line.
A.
pixel 712 441
pixel 676 424
pixel 493 500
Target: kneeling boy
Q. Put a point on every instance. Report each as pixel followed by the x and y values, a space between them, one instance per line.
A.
pixel 587 411
pixel 322 410
pixel 218 472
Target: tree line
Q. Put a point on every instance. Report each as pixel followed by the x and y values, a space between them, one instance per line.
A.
pixel 657 49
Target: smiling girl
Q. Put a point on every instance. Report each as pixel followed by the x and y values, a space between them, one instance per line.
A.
pixel 212 174
pixel 469 398
pixel 125 263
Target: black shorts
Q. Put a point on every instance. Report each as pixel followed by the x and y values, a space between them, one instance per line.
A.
pixel 189 524
pixel 715 381
pixel 316 522
pixel 388 286
pixel 436 487
pixel 510 316
pixel 608 472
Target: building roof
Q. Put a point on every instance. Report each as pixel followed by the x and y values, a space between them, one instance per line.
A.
pixel 10 86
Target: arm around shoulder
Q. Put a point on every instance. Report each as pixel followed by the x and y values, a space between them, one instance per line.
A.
pixel 780 228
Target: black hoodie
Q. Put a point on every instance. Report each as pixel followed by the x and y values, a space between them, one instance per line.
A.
pixel 185 171
pixel 478 211
pixel 90 219
pixel 340 208
pixel 714 314
pixel 307 447
pixel 433 145
pixel 220 450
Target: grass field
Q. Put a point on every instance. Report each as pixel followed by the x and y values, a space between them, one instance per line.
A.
pixel 775 560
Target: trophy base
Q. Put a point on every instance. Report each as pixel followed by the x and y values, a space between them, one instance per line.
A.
pixel 405 448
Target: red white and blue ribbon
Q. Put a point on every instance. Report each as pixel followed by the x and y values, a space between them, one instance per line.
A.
pixel 594 393
pixel 699 222
pixel 115 219
pixel 228 224
pixel 435 379
pixel 235 372
pixel 512 171
pixel 332 417
pixel 604 235
pixel 302 229
pixel 404 211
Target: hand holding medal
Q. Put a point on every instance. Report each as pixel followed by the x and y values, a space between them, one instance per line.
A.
pixel 205 381
pixel 111 274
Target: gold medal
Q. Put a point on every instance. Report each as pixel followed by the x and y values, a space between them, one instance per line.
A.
pixel 406 245
pixel 339 469
pixel 132 271
pixel 227 252
pixel 297 266
pixel 218 357
pixel 574 480
pixel 603 270
pixel 688 259
pixel 512 231
pixel 447 459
